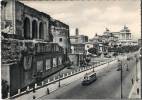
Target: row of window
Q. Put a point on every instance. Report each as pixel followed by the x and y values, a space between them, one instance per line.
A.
pixel 48 48
pixel 49 63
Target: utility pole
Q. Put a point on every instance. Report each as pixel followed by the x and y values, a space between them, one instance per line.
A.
pixel 121 80
pixel 136 69
pixel 59 85
pixel 93 67
pixel 79 59
pixel 108 66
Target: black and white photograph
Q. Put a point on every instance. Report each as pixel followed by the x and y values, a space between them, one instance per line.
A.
pixel 71 49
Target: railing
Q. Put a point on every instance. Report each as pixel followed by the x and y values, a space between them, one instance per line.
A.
pixel 56 79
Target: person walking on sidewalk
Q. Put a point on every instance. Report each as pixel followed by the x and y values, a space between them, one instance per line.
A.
pixel 48 92
pixel 132 81
pixel 137 90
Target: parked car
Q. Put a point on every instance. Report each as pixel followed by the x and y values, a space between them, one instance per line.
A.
pixel 115 54
pixel 107 56
pixel 89 78
pixel 118 69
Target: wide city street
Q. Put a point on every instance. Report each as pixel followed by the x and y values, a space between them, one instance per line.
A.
pixel 107 85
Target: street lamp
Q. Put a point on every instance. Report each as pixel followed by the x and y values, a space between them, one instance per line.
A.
pixel 37 77
pixel 121 81
pixel 59 85
pixel 108 66
pixel 136 68
pixel 121 73
pixel 93 67
pixel 79 58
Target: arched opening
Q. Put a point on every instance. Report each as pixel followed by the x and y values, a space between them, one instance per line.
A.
pixel 34 29
pixel 41 31
pixel 27 28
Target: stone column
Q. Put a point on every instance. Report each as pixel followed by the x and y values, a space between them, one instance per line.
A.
pixel 44 31
pixel 38 29
pixel 47 30
pixel 31 28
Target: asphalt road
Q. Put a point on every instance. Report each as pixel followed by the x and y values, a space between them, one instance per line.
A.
pixel 107 86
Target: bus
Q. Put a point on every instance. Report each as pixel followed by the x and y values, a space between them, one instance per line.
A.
pixel 89 78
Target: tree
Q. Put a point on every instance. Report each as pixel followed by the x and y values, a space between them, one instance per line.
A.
pixel 5 89
pixel 93 51
pixel 88 60
pixel 105 53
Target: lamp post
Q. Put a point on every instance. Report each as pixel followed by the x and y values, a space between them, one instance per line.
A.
pixel 121 81
pixel 37 78
pixel 108 66
pixel 78 60
pixel 59 85
pixel 121 73
pixel 136 68
pixel 93 67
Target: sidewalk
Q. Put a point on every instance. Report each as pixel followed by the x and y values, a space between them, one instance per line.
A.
pixel 135 91
pixel 63 83
pixel 66 70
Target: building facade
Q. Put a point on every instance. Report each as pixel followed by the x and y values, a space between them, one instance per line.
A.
pixel 125 37
pixel 24 22
pixel 78 38
pixel 29 50
pixel 60 32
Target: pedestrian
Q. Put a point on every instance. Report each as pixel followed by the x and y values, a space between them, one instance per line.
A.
pixel 34 97
pixel 127 67
pixel 132 80
pixel 33 89
pixel 48 92
pixel 137 90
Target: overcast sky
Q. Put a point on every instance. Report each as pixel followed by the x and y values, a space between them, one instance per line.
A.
pixel 93 16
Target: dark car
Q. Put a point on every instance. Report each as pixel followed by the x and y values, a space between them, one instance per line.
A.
pixel 107 56
pixel 118 69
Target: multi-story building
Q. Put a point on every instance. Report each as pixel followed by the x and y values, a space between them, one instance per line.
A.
pixel 124 37
pixel 60 32
pixel 78 38
pixel 110 39
pixel 78 47
pixel 78 43
pixel 23 22
pixel 23 60
pixel 99 42
pixel 28 46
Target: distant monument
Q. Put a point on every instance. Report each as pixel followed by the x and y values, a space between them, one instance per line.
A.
pixel 76 32
pixel 107 30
